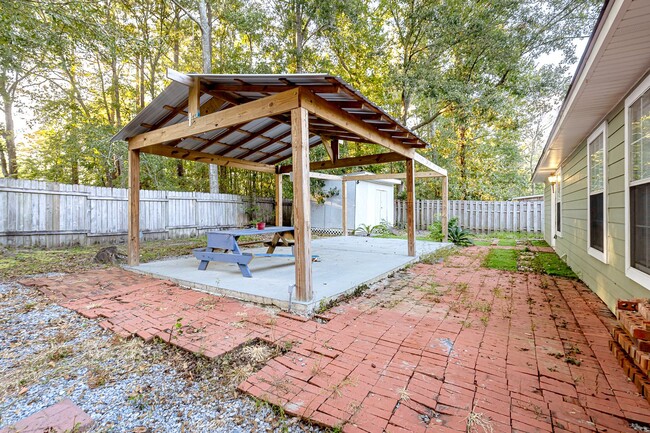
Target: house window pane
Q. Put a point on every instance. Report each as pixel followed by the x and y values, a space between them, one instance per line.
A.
pixel 640 230
pixel 640 138
pixel 558 217
pixel 596 164
pixel 596 221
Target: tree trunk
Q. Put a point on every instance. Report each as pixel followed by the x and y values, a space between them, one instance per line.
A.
pixel 115 83
pixel 205 19
pixel 9 167
pixel 299 37
pixel 462 161
pixel 205 22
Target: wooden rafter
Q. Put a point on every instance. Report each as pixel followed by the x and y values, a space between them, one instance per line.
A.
pixel 220 136
pixel 208 158
pixel 265 107
pixel 267 144
pixel 251 136
pixel 332 113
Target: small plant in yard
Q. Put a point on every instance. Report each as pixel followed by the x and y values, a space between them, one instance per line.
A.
pixel 257 353
pixel 460 237
pixel 60 353
pixel 485 320
pixel 178 327
pixel 97 377
pixel 368 229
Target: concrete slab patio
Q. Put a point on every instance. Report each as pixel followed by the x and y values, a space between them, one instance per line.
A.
pixel 344 264
pixel 448 347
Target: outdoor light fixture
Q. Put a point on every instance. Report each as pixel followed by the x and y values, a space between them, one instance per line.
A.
pixel 552 180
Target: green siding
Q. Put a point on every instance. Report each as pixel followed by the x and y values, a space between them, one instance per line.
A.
pixel 607 281
pixel 547 213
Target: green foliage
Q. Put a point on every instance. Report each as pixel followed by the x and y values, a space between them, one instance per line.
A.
pixel 465 75
pixel 504 259
pixel 379 229
pixel 435 229
pixel 458 236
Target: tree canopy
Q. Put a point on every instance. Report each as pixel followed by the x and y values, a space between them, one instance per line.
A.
pixel 464 74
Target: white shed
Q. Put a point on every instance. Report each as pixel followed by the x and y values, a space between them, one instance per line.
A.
pixel 369 202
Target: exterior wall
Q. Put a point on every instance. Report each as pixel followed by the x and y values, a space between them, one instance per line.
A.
pixel 608 281
pixel 328 214
pixel 367 203
pixel 547 213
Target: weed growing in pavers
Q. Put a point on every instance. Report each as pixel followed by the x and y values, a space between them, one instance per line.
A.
pixel 348 381
pixel 462 287
pixel 497 292
pixel 485 320
pixel 466 324
pixel 482 306
pixel 403 394
pixel 439 256
pixel 573 361
pixel 478 420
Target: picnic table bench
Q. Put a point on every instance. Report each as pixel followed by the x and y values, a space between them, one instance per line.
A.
pixel 227 240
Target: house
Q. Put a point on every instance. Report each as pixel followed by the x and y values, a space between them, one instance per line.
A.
pixel 596 162
pixel 369 202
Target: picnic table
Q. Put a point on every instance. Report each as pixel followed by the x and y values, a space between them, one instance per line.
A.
pixel 227 240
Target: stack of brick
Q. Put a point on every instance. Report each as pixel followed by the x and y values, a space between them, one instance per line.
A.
pixel 631 344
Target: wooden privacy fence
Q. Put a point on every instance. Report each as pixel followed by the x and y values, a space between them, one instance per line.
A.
pixel 53 214
pixel 478 216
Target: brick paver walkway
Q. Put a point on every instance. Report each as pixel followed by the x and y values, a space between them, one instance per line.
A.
pixel 65 416
pixel 450 347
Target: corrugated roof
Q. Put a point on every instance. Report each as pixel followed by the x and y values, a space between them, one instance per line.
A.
pixel 266 140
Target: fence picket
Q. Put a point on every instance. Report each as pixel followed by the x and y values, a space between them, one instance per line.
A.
pixel 478 216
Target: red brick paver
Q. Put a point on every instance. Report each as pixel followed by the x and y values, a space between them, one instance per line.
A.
pixel 64 416
pixel 436 349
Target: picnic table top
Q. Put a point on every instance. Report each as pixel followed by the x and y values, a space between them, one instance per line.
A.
pixel 254 231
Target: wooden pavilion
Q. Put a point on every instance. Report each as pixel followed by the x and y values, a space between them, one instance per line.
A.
pixel 256 122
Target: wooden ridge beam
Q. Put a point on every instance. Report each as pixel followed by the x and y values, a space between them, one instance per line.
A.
pixel 265 107
pixel 418 175
pixel 350 162
pixel 332 113
pixel 193 155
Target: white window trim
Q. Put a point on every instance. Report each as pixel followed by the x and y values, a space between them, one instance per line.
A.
pixel 632 273
pixel 559 198
pixel 600 255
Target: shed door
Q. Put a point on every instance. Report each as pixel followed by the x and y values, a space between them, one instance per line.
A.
pixel 383 205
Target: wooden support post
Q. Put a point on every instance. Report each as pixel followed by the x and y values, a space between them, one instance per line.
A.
pixel 134 208
pixel 194 100
pixel 344 207
pixel 410 205
pixel 445 209
pixel 278 200
pixel 301 202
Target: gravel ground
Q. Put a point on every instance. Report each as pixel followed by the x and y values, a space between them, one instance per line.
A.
pixel 48 353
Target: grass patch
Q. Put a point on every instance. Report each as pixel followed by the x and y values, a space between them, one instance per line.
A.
pixel 508 242
pixel 481 242
pixel 501 259
pixel 538 243
pixel 551 264
pixel 18 263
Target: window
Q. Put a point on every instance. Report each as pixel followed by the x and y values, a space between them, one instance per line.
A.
pixel 597 193
pixel 637 179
